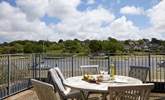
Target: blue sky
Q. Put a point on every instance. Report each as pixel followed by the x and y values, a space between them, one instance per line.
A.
pixel 82 19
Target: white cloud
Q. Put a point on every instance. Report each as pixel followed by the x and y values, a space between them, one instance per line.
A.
pixel 157 20
pixel 156 15
pixel 122 25
pixel 86 25
pixel 131 10
pixel 33 8
pixel 74 24
pixel 122 28
pixel 23 21
pixel 63 9
pixel 14 25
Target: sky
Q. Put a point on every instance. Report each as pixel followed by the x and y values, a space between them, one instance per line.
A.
pixel 81 19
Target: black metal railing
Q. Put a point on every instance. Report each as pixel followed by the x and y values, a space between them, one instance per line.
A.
pixel 17 70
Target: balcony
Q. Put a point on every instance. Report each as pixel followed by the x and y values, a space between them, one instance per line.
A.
pixel 17 70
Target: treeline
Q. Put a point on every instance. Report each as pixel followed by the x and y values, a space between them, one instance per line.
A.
pixel 110 45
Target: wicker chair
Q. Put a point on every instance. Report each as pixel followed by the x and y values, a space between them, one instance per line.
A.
pixel 44 90
pixel 132 92
pixel 139 72
pixel 64 92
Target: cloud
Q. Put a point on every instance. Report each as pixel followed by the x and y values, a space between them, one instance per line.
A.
pixel 33 8
pixel 14 25
pixel 131 10
pixel 97 23
pixel 122 28
pixel 86 25
pixel 63 9
pixel 157 19
pixel 23 21
pixel 74 24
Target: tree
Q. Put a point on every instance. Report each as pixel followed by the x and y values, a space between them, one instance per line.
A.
pixel 6 50
pixel 112 46
pixel 55 46
pixel 72 46
pixel 37 49
pixel 95 46
pixel 28 47
pixel 60 41
pixel 155 41
pixel 19 48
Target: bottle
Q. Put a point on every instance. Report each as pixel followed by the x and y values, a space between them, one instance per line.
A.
pixel 112 71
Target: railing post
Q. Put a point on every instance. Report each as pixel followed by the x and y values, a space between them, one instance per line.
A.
pixel 8 73
pixel 33 65
pixel 149 64
pixel 72 65
pixel 39 64
pixel 108 64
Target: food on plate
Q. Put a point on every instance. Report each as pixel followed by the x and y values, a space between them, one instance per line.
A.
pixel 90 78
pixel 99 78
pixel 86 77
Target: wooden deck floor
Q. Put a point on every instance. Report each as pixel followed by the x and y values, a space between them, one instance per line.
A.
pixel 31 95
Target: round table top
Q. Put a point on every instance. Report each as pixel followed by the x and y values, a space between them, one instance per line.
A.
pixel 77 83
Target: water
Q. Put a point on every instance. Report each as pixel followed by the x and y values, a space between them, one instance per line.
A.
pixel 121 65
pixel 72 64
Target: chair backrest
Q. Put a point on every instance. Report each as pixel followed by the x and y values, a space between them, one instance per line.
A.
pixel 60 73
pixel 54 79
pixel 139 72
pixel 44 90
pixel 89 69
pixel 130 92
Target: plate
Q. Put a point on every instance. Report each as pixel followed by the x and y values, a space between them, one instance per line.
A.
pixel 91 81
pixel 120 81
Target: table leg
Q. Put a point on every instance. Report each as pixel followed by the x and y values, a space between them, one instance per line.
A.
pixel 83 95
pixel 104 96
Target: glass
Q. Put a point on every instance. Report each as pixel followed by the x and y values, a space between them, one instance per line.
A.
pixel 105 72
pixel 102 72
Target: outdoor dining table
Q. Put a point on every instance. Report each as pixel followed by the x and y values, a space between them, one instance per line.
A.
pixel 101 87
